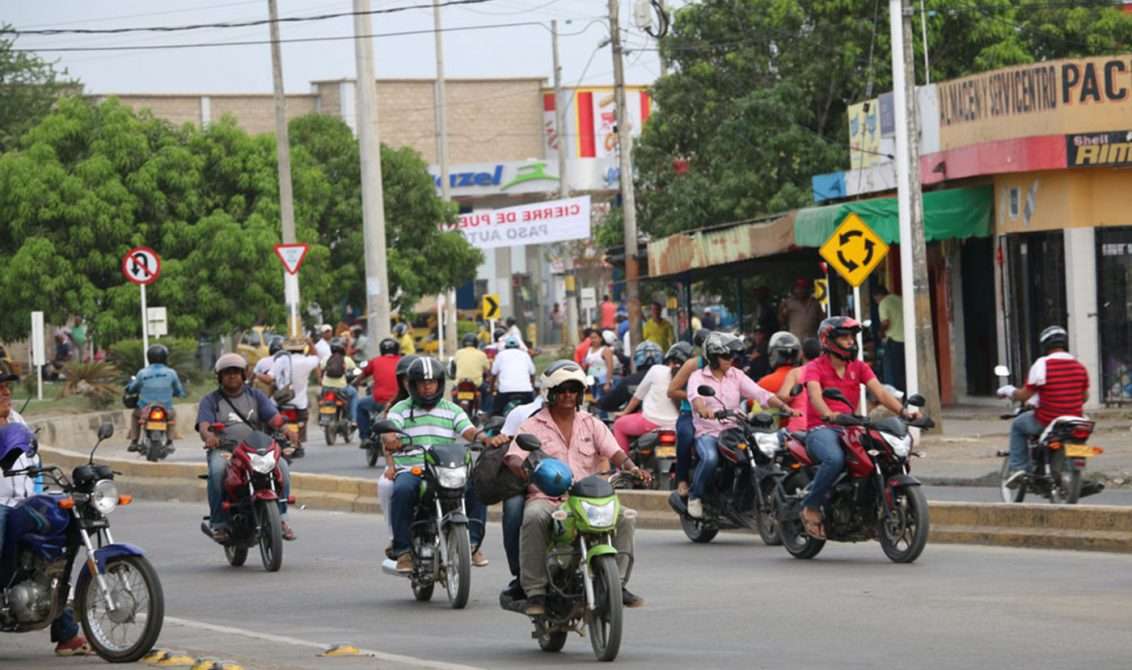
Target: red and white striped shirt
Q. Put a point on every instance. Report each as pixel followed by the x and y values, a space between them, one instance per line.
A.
pixel 1062 384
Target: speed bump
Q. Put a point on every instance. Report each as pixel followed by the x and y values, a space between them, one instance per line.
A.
pixel 342 650
pixel 169 659
pixel 214 664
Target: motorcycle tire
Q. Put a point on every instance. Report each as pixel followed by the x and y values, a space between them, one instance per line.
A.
pixel 372 454
pixel 458 572
pixel 141 588
pixel 906 543
pixel 330 434
pixel 766 520
pixel 154 448
pixel 423 592
pixel 606 619
pixel 236 556
pixel 552 641
pixel 1016 495
pixel 794 538
pixel 697 531
pixel 1068 487
pixel 270 534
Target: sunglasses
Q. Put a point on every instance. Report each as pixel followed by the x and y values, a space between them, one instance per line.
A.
pixel 726 357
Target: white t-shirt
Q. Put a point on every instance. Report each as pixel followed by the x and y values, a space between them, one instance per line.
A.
pixel 656 406
pixel 322 347
pixel 263 366
pixel 513 368
pixel 519 414
pixel 295 370
pixel 16 488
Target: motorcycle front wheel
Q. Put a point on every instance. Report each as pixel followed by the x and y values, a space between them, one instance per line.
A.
pixel 552 641
pixel 904 533
pixel 1009 495
pixel 698 531
pixel 270 534
pixel 128 632
pixel 606 619
pixel 794 537
pixel 459 569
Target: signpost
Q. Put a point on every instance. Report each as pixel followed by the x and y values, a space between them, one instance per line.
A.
pixel 142 266
pixel 292 255
pixel 38 351
pixel 491 311
pixel 157 321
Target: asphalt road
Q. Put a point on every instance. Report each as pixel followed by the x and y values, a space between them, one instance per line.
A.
pixel 731 604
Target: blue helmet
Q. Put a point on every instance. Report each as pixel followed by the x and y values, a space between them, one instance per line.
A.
pixel 647 354
pixel 552 477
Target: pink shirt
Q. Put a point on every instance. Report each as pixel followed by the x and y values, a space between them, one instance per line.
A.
pixel 729 391
pixel 821 370
pixel 585 452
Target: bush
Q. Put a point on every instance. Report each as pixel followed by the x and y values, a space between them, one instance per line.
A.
pixel 126 355
pixel 97 382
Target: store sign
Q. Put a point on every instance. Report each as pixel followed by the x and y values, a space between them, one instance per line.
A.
pixel 535 223
pixel 496 178
pixel 1097 149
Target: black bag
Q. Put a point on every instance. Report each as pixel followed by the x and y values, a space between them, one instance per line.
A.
pixel 286 393
pixel 493 481
pixel 335 366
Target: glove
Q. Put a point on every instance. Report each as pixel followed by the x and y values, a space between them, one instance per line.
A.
pixel 1006 391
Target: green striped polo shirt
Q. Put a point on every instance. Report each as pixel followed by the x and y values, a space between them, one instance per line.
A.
pixel 443 424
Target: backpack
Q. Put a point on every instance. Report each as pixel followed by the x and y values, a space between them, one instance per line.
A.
pixel 492 480
pixel 335 366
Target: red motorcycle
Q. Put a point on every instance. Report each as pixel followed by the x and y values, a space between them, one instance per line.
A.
pixel 875 498
pixel 467 396
pixel 253 484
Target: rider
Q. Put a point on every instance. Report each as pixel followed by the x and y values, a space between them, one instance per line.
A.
pixel 513 372
pixel 585 451
pixel 405 339
pixel 335 371
pixel 685 425
pixel 157 383
pixel 242 410
pixel 838 368
pixel 811 349
pixel 383 369
pixel 294 369
pixel 646 354
pixel 472 365
pixel 731 385
pixel 658 410
pixel 784 352
pixel 428 419
pixel 261 372
pixel 1062 385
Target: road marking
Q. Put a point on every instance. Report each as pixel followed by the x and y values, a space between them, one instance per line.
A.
pixel 296 642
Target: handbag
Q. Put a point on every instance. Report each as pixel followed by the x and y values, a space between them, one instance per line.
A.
pixel 286 393
pixel 492 480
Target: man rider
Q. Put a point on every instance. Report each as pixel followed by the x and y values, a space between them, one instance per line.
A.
pixel 731 385
pixel 242 410
pixel 338 382
pixel 1062 385
pixel 261 372
pixel 472 365
pixel 837 368
pixel 156 384
pixel 784 351
pixel 295 369
pixel 383 369
pixel 585 452
pixel 513 372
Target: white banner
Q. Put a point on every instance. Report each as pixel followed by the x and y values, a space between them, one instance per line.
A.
pixel 534 223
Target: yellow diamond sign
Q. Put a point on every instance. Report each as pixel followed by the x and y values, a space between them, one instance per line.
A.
pixel 854 250
pixel 491 310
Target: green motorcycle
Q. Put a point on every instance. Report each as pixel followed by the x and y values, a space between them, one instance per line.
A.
pixel 584 585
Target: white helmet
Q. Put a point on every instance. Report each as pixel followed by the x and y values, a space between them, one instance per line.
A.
pixel 609 337
pixel 559 373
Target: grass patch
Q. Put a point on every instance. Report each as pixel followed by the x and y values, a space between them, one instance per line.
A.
pixel 52 405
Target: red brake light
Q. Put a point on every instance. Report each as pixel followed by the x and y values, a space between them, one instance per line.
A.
pixel 290 414
pixel 1082 433
pixel 667 437
pixel 328 396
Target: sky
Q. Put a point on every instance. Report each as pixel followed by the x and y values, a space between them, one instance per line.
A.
pixel 498 52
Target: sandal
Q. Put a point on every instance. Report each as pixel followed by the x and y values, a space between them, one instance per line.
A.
pixel 811 523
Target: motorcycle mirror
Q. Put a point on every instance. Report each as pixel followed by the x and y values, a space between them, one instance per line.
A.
pixel 385 427
pixel 835 394
pixel 796 390
pixel 1001 371
pixel 494 423
pixel 105 430
pixel 917 400
pixel 867 323
pixel 452 368
pixel 706 391
pixel 527 442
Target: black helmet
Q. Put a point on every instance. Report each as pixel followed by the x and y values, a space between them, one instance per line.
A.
pixel 469 340
pixel 426 369
pixel 1053 337
pixel 499 333
pixel 700 337
pixel 679 352
pixel 402 368
pixel 337 346
pixel 389 346
pixel 158 353
pixel 275 345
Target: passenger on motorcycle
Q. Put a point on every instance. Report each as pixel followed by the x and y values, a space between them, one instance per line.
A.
pixel 335 371
pixel 685 425
pixel 657 409
pixel 295 368
pixel 261 373
pixel 156 384
pixel 784 351
pixel 811 349
pixel 731 385
pixel 585 451
pixel 472 365
pixel 1062 385
pixel 513 374
pixel 838 368
pixel 383 369
pixel 601 361
pixel 242 410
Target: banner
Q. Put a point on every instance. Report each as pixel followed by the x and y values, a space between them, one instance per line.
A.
pixel 1111 149
pixel 534 223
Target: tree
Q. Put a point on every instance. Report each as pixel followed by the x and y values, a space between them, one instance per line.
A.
pixel 28 87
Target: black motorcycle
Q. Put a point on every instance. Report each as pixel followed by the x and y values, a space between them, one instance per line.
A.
pixel 654 451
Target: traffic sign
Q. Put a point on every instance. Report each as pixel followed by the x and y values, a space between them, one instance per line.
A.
pixel 854 250
pixel 141 266
pixel 589 298
pixel 292 256
pixel 821 291
pixel 491 311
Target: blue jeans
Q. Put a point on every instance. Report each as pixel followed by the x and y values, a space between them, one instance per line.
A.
pixel 893 367
pixel 63 628
pixel 1024 426
pixel 705 470
pixel 362 409
pixel 351 394
pixel 824 446
pixel 406 492
pixel 685 442
pixel 512 524
pixel 217 466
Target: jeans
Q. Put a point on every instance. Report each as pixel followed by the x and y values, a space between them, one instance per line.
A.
pixel 893 367
pixel 1024 426
pixel 824 446
pixel 406 492
pixel 535 538
pixel 362 409
pixel 685 442
pixel 63 628
pixel 705 470
pixel 351 394
pixel 217 467
pixel 512 524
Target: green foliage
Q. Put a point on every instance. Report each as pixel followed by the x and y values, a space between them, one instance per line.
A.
pixel 97 382
pixel 28 88
pixel 126 356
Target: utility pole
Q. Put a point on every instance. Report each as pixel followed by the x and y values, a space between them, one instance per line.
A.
pixel 628 198
pixel 919 347
pixel 283 158
pixel 373 194
pixel 441 104
pixel 663 60
pixel 564 186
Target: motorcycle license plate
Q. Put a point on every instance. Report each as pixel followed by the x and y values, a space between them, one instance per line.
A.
pixel 156 425
pixel 465 395
pixel 293 427
pixel 1078 451
pixel 666 452
pixel 327 409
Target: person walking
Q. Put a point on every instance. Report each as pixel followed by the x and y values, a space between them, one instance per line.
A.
pixel 891 310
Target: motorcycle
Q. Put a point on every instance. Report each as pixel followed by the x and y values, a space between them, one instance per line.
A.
pixel 252 485
pixel 581 565
pixel 874 498
pixel 292 423
pixel 440 545
pixel 654 451
pixel 372 444
pixel 1058 458
pixel 467 395
pixel 118 596
pixel 155 429
pixel 742 491
pixel 334 415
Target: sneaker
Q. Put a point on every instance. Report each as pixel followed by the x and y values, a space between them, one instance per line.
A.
pixel 536 605
pixel 514 591
pixel 696 508
pixel 1014 479
pixel 630 599
pixel 405 563
pixel 76 646
pixel 288 534
pixel 479 560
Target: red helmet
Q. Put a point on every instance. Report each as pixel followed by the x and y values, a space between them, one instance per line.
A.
pixel 835 327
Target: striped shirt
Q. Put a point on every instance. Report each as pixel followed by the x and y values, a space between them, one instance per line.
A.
pixel 443 424
pixel 1062 384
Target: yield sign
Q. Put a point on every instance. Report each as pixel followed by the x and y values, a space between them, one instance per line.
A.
pixel 292 256
pixel 854 250
pixel 141 266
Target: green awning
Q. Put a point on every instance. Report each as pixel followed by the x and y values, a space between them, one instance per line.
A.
pixel 955 213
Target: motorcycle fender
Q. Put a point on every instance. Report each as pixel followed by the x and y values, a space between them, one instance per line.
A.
pixel 266 494
pixel 600 550
pixel 110 551
pixel 903 481
pixel 454 517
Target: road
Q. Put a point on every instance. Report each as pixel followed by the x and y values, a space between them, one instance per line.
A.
pixel 731 604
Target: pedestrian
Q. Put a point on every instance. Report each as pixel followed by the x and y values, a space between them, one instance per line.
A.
pixel 800 312
pixel 583 347
pixel 608 313
pixel 891 311
pixel 79 337
pixel 558 323
pixel 658 329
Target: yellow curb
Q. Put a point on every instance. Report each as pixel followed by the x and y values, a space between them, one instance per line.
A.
pixel 155 656
pixel 176 660
pixel 342 650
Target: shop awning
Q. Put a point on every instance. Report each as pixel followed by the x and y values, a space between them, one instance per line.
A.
pixel 702 249
pixel 954 213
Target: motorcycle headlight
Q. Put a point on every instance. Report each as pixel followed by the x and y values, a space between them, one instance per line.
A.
pixel 768 443
pixel 104 497
pixel 901 446
pixel 263 464
pixel 452 478
pixel 599 515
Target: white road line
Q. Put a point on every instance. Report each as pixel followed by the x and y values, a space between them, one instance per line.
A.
pixel 296 642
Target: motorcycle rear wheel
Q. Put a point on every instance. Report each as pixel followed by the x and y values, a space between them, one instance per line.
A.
pixel 330 434
pixel 766 521
pixel 553 641
pixel 1067 478
pixel 606 618
pixel 697 531
pixel 136 590
pixel 236 556
pixel 459 568
pixel 904 536
pixel 270 534
pixel 1015 495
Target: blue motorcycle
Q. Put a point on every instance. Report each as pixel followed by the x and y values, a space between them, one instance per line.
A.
pixel 118 596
